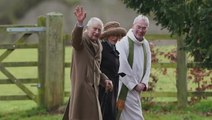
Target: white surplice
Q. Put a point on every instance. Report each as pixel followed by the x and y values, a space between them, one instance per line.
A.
pixel 133 110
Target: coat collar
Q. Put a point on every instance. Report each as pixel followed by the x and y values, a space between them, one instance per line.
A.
pixel 109 47
pixel 94 48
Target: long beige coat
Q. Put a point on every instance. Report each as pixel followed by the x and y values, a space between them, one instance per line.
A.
pixel 85 77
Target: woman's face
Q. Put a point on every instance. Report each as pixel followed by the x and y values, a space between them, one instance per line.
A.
pixel 114 38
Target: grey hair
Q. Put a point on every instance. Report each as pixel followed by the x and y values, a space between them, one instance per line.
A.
pixel 141 17
pixel 94 20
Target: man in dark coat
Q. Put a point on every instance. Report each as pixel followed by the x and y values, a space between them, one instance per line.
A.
pixel 110 66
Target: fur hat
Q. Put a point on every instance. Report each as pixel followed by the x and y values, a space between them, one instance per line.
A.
pixel 113 28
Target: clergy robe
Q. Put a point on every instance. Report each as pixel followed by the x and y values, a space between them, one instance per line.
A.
pixel 132 109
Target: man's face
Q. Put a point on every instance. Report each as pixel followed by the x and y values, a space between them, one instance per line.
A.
pixel 94 31
pixel 140 29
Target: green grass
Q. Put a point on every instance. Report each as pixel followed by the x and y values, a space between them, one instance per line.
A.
pixel 175 116
pixel 170 111
pixel 28 110
pixel 25 110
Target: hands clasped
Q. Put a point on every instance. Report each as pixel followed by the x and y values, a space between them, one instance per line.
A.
pixel 139 87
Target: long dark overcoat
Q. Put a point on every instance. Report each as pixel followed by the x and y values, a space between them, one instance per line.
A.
pixel 85 77
pixel 110 67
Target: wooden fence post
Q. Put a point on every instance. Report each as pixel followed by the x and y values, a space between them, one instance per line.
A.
pixel 51 61
pixel 181 76
pixel 41 61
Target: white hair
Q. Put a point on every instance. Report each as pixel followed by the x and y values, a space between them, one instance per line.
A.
pixel 95 20
pixel 141 17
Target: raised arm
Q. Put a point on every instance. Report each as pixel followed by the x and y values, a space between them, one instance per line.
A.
pixel 77 32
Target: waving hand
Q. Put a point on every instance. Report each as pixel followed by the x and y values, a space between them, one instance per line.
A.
pixel 80 14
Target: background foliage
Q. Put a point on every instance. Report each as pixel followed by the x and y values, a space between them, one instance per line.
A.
pixel 189 18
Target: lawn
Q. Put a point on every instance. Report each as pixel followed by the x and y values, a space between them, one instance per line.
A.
pixel 28 110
